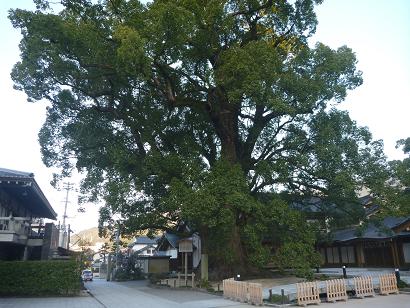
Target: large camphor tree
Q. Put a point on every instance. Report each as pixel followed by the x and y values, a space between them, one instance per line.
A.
pixel 204 112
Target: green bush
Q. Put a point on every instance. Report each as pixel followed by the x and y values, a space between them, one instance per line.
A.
pixel 35 278
pixel 123 274
pixel 402 284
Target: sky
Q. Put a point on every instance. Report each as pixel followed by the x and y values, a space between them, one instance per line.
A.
pixel 378 31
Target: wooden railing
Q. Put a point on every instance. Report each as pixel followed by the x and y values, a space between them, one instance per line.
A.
pixel 17 225
pixel 182 280
pixel 22 226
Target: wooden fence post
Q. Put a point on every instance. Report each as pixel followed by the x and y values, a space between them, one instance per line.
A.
pixel 336 290
pixel 307 293
pixel 388 284
pixel 363 286
pixel 255 296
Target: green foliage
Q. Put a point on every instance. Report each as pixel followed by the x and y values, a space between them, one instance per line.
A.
pixel 295 240
pixel 186 111
pixel 277 299
pixel 400 197
pixel 124 274
pixel 402 284
pixel 39 278
pixel 299 256
pixel 205 284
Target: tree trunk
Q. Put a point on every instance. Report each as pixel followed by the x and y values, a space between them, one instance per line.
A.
pixel 224 116
pixel 237 250
pixel 204 253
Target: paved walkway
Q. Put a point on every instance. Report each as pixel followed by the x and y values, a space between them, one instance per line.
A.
pixel 290 289
pixel 50 302
pixel 138 294
pixel 126 295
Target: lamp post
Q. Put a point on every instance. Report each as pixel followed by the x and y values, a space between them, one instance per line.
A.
pixel 344 271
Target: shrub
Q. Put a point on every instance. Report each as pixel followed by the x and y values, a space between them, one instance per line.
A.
pixel 123 274
pixel 298 256
pixel 402 284
pixel 35 278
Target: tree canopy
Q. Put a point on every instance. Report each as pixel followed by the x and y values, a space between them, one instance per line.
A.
pixel 199 112
pixel 400 195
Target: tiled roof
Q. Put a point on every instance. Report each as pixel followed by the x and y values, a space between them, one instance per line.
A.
pixel 383 231
pixel 23 186
pixel 144 240
pixel 8 173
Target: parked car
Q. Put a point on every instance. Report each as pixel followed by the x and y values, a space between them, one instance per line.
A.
pixel 87 275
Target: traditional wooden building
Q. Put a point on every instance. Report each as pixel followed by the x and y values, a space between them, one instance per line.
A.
pixel 23 206
pixel 182 250
pixel 383 245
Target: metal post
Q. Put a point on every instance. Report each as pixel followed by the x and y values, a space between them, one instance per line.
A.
pixel 186 269
pixel 117 240
pixel 344 271
pixel 397 272
pixel 109 268
pixel 282 293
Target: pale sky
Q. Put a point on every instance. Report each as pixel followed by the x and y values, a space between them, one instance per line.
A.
pixel 377 30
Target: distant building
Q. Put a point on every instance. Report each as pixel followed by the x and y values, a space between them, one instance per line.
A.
pixel 144 246
pixel 23 208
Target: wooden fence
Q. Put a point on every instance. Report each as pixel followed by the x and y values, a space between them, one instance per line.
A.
pixel 229 289
pixel 307 293
pixel 388 284
pixel 242 291
pixel 363 286
pixel 336 290
pixel 182 281
pixel 255 293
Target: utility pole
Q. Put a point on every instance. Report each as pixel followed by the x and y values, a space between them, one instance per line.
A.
pixel 117 250
pixel 64 241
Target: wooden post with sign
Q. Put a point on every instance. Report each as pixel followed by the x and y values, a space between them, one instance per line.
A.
pixel 185 246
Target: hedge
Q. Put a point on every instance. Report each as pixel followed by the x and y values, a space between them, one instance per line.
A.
pixel 35 278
